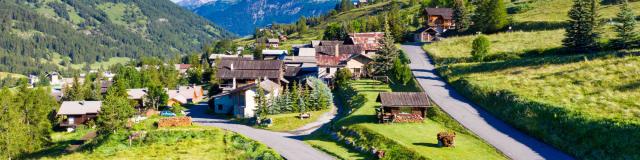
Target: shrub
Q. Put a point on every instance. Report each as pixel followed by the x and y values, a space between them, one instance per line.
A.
pixel 480 48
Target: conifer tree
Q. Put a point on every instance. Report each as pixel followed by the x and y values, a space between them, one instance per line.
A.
pixel 383 61
pixel 115 111
pixel 627 28
pixel 261 102
pixel 461 15
pixel 580 34
pixel 302 26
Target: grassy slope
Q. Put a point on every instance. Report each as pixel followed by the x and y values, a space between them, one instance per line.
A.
pixel 7 74
pixel 417 136
pixel 581 84
pixel 216 146
pixel 592 90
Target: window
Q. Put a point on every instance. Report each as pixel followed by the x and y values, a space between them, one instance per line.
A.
pixel 220 107
pixel 328 70
pixel 356 71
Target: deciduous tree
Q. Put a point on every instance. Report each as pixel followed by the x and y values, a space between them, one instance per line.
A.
pixel 480 47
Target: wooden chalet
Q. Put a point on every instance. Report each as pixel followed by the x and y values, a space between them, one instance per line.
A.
pixel 273 42
pixel 426 35
pixel 441 18
pixel 76 113
pixel 402 106
pixel 233 72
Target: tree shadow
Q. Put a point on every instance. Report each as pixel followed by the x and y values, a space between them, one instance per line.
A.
pixel 539 25
pixel 629 87
pixel 433 145
pixel 356 119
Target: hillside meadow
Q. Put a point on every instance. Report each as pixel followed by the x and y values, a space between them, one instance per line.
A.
pixel 585 104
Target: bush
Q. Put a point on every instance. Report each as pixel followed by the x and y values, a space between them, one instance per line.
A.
pixel 480 48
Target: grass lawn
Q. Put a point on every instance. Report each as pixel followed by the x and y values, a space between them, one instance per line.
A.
pixel 556 10
pixel 290 121
pixel 104 65
pixel 420 137
pixel 13 75
pixel 195 142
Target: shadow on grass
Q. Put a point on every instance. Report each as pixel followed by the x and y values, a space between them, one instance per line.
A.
pixel 427 145
pixel 357 119
pixel 629 87
pixel 56 150
pixel 539 25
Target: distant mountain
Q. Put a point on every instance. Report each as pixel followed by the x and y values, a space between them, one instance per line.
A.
pixel 42 34
pixel 192 4
pixel 244 16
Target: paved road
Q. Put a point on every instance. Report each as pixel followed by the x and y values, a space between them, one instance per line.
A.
pixel 288 145
pixel 505 138
pixel 313 126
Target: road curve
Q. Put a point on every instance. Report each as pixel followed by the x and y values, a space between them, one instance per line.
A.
pixel 288 145
pixel 511 142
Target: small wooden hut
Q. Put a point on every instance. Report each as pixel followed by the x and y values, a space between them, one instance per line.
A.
pixel 403 106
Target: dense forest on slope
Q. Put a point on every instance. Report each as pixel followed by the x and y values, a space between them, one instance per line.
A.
pixel 43 35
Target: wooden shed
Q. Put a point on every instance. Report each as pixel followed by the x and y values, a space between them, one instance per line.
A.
pixel 403 106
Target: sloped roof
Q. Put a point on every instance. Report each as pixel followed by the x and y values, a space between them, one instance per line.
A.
pixel 138 93
pixel 446 13
pixel 250 69
pixel 175 95
pixel 307 52
pixel 273 40
pixel 291 71
pixel 188 91
pixel 183 66
pixel 79 107
pixel 368 40
pixel 342 49
pixel 404 99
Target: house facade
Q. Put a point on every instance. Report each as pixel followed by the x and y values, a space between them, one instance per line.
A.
pixel 241 102
pixel 439 18
pixel 334 55
pixel 234 73
pixel 75 113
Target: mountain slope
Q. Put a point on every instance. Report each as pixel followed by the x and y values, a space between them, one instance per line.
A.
pixel 36 31
pixel 244 16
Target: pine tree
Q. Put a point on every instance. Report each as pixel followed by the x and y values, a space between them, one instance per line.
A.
pixel 491 16
pixel 383 61
pixel 261 102
pixel 461 15
pixel 580 34
pixel 627 28
pixel 302 26
pixel 115 111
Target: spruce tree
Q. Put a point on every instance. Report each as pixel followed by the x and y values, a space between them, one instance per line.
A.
pixel 383 61
pixel 626 28
pixel 580 33
pixel 302 26
pixel 461 15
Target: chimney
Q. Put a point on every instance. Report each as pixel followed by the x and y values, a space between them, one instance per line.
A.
pixel 337 50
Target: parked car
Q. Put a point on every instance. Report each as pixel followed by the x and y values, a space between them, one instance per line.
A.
pixel 167 113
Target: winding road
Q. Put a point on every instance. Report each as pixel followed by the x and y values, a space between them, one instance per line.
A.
pixel 511 142
pixel 289 145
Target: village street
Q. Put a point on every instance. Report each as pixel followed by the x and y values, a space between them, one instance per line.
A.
pixel 290 146
pixel 505 138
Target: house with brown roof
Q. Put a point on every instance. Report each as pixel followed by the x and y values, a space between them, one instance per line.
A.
pixel 332 56
pixel 240 102
pixel 76 113
pixel 369 41
pixel 234 73
pixel 439 18
pixel 402 106
pixel 426 35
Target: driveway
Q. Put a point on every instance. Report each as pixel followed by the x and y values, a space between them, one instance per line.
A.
pixel 288 145
pixel 508 140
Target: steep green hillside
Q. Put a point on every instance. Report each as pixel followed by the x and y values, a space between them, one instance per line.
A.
pixel 586 104
pixel 34 32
